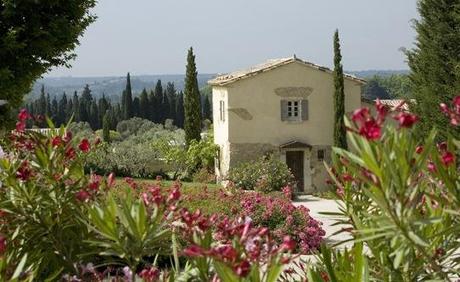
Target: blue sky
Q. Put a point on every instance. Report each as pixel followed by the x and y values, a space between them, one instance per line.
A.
pixel 152 36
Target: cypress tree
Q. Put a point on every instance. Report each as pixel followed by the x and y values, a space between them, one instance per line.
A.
pixel 158 101
pixel 340 134
pixel 152 106
pixel 103 106
pixel 48 105
pixel 207 113
pixel 62 109
pixel 192 103
pixel 41 107
pixel 136 107
pixel 180 110
pixel 171 94
pixel 76 107
pixel 106 128
pixel 54 115
pixel 165 107
pixel 128 99
pixel 94 116
pixel 435 64
pixel 144 105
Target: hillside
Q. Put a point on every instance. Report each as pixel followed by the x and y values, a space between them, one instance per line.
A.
pixel 112 86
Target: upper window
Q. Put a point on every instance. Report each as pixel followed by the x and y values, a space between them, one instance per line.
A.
pixel 294 110
pixel 222 111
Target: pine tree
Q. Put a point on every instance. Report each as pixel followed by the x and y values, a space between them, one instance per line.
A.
pixel 434 64
pixel 340 134
pixel 144 105
pixel 207 112
pixel 128 99
pixel 192 103
pixel 106 128
pixel 180 110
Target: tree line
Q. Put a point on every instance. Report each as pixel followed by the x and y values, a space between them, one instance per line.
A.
pixel 157 105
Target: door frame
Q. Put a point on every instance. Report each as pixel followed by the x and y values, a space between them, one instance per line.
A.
pixel 307 175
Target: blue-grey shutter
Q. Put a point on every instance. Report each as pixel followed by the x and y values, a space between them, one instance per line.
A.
pixel 304 109
pixel 284 112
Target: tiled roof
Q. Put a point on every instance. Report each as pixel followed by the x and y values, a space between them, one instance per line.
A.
pixel 397 103
pixel 269 65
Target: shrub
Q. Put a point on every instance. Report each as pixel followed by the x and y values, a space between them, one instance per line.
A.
pixel 400 198
pixel 43 188
pixel 204 176
pixel 265 175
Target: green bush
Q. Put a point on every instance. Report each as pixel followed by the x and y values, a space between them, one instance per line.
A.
pixel 265 174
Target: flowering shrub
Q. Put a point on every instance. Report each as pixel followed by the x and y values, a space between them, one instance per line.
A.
pixel 400 197
pixel 240 252
pixel 43 188
pixel 264 175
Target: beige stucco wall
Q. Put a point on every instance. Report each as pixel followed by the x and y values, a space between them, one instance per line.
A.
pixel 263 126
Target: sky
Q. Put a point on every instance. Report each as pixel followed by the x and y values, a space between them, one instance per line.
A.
pixel 152 36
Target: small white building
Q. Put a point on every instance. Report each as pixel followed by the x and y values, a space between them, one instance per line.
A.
pixel 285 107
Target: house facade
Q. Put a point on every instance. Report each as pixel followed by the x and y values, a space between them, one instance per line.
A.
pixel 282 107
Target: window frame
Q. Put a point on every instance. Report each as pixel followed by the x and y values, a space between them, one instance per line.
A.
pixel 222 110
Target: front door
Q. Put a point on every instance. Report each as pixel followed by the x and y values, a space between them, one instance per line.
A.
pixel 294 160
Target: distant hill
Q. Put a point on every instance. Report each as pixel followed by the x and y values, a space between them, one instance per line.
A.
pixel 371 73
pixel 112 86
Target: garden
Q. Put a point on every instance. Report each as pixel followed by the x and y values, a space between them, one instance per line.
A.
pixel 398 196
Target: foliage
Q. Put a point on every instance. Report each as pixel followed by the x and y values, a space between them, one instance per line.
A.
pixel 340 137
pixel 192 103
pixel 400 198
pixel 394 86
pixel 204 176
pixel 127 100
pixel 186 161
pixel 265 174
pixel 44 184
pixel 434 63
pixel 37 42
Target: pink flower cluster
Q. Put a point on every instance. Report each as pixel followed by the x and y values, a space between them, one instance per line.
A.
pixel 371 127
pixel 454 112
pixel 281 216
pixel 239 244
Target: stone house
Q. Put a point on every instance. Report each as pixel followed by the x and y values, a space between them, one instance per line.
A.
pixel 283 107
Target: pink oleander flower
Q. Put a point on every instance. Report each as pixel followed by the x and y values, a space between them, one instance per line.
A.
pixel 24 172
pixel 56 141
pixel 150 274
pixel 23 115
pixel 447 158
pixel 406 120
pixel 84 145
pixel 243 268
pixel 111 180
pixel 82 195
pixel 419 149
pixel 2 244
pixel 371 130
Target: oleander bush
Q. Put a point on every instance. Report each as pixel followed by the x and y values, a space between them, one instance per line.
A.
pixel 400 199
pixel 265 174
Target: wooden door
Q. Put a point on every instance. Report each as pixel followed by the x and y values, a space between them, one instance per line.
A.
pixel 294 160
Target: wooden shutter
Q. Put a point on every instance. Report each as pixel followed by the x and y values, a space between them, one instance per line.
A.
pixel 284 111
pixel 304 109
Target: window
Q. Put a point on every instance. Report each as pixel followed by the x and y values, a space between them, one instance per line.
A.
pixel 320 155
pixel 294 110
pixel 222 111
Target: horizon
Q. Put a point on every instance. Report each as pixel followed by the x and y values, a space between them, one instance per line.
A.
pixel 230 37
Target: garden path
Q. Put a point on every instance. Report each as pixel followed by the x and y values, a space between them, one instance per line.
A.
pixel 316 206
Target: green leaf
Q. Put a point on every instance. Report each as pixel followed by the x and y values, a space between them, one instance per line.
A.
pixel 225 273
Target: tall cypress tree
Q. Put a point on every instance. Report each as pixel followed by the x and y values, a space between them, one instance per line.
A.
pixel 128 99
pixel 136 107
pixel 340 134
pixel 62 109
pixel 435 64
pixel 106 128
pixel 180 110
pixel 207 113
pixel 76 107
pixel 41 107
pixel 192 103
pixel 158 100
pixel 171 94
pixel 54 115
pixel 144 105
pixel 152 106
